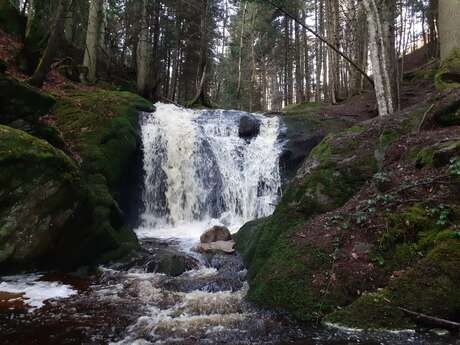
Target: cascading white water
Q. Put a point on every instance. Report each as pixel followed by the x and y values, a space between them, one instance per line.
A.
pixel 199 172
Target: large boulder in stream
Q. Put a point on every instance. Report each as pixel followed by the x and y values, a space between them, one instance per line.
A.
pixel 249 127
pixel 216 233
pixel 218 239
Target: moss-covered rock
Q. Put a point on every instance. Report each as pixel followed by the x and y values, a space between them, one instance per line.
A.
pixel 39 195
pixel 448 76
pixel 101 128
pixel 304 129
pixel 438 155
pixel 290 259
pixel 20 101
pixel 281 271
pixel 11 20
pixel 431 287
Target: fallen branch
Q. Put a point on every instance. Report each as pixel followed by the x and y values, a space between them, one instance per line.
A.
pixel 431 320
pixel 420 126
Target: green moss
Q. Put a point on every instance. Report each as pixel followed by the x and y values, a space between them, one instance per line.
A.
pixel 431 287
pixel 388 137
pixel 20 101
pixel 39 190
pixel 450 66
pixel 285 281
pixel 301 109
pixel 101 126
pixel 437 155
pixel 11 20
pixel 371 311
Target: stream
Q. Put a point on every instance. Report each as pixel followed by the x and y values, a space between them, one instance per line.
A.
pixel 198 172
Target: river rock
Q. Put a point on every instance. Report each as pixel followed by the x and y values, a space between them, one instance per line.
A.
pixel 216 233
pixel 227 247
pixel 172 264
pixel 249 127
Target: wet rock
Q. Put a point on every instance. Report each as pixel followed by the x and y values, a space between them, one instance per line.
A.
pixel 249 127
pixel 226 263
pixel 216 233
pixel 172 264
pixel 227 247
pixel 440 332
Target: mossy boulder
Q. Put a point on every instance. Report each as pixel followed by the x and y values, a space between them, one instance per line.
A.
pixel 101 128
pixel 20 101
pixel 448 76
pixel 39 196
pixel 438 155
pixel 447 110
pixel 11 20
pixel 431 287
pixel 303 130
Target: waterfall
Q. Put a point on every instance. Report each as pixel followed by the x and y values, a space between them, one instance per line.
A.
pixel 199 171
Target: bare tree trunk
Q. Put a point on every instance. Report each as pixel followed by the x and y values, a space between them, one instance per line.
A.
pixel 92 38
pixel 144 56
pixel 449 28
pixel 240 55
pixel 38 78
pixel 299 66
pixel 380 18
pixel 201 96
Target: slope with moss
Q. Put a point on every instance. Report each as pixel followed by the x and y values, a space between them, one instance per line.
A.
pixel 357 218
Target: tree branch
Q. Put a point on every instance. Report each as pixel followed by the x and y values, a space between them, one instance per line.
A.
pixel 321 38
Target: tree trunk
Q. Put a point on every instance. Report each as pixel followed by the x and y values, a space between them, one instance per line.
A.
pixel 92 39
pixel 201 97
pixel 449 27
pixel 49 54
pixel 240 55
pixel 144 55
pixel 299 66
pixel 380 16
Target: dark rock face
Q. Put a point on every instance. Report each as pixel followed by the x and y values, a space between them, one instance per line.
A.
pixel 249 127
pixel 20 101
pixel 215 234
pixel 38 197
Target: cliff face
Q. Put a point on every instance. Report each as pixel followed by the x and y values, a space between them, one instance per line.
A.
pixel 368 225
pixel 63 166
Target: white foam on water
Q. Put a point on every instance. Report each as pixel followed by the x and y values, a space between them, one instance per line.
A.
pixel 200 173
pixel 35 291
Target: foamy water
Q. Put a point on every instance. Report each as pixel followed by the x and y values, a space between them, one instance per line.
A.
pixel 200 173
pixel 34 291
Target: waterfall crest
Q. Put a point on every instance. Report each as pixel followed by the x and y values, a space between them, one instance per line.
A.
pixel 198 170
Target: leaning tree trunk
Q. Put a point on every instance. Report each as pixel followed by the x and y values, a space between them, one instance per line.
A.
pixel 38 78
pixel 449 26
pixel 92 39
pixel 380 17
pixel 144 55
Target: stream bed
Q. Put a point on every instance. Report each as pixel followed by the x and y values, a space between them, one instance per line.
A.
pixel 125 304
